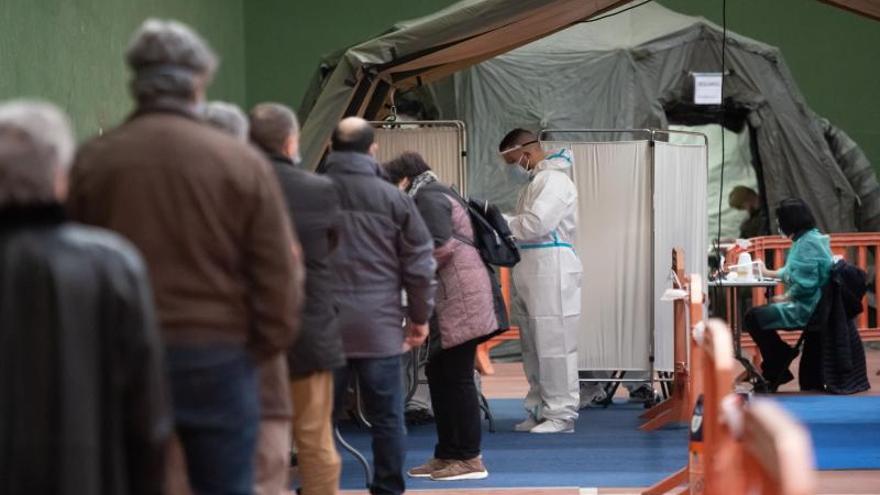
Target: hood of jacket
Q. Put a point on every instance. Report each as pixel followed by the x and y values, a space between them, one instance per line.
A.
pixel 560 160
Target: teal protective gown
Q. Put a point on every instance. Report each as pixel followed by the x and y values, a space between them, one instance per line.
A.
pixel 807 269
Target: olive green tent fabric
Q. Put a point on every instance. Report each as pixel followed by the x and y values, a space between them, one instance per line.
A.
pixel 624 71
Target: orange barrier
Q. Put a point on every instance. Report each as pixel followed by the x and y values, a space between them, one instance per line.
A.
pixel 776 452
pixel 719 447
pixel 484 363
pixel 861 249
pixel 754 448
pixel 713 364
pixel 677 408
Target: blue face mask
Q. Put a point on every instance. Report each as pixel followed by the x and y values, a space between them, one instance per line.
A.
pixel 518 174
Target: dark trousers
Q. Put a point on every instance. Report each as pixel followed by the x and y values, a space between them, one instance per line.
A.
pixel 776 355
pixel 454 398
pixel 381 385
pixel 216 411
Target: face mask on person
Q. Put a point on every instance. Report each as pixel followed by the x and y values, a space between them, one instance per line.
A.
pixel 518 174
pixel 524 161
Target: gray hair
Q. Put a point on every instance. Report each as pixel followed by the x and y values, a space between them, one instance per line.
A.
pixel 271 125
pixel 168 58
pixel 36 141
pixel 227 117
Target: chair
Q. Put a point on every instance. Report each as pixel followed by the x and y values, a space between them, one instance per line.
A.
pixel 809 346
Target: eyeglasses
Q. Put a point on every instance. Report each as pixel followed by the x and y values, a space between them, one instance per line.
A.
pixel 518 147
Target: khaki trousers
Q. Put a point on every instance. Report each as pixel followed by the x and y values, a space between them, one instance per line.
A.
pixel 319 463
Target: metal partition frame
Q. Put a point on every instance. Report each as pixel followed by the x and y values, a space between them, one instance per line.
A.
pixel 461 166
pixel 650 135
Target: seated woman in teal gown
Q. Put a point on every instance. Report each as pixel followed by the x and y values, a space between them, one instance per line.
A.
pixel 806 272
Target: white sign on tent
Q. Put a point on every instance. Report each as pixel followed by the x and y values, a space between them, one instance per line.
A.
pixel 707 88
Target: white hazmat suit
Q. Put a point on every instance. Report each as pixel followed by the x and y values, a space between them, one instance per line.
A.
pixel 548 283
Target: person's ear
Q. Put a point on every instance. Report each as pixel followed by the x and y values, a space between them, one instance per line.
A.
pixel 374 149
pixel 200 90
pixel 291 145
pixel 60 184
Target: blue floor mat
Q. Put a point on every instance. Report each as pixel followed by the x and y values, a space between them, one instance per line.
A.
pixel 845 429
pixel 606 449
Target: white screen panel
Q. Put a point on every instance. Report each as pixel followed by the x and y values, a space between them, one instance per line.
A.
pixel 680 220
pixel 441 147
pixel 614 245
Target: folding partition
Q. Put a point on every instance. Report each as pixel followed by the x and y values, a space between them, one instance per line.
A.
pixel 639 196
pixel 681 219
pixel 441 143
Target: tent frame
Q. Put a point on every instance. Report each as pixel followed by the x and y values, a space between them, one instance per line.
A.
pixel 413 55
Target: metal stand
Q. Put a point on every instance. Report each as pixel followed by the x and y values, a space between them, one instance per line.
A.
pixel 751 373
pixel 419 360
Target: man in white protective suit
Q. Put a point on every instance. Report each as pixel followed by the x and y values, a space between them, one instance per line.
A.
pixel 547 281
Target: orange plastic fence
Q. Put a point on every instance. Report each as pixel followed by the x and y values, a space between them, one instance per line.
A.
pixel 746 448
pixel 861 249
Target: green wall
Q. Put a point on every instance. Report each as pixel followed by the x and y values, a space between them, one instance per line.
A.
pixel 833 54
pixel 286 38
pixel 71 51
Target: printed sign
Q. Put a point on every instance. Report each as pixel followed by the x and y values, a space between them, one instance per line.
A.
pixel 707 88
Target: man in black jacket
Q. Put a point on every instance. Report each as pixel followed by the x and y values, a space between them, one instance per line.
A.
pixel 385 248
pixel 85 407
pixel 314 204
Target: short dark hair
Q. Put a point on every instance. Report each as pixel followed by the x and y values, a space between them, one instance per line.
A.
pixel 516 137
pixel 357 140
pixel 740 195
pixel 795 217
pixel 408 165
pixel 271 126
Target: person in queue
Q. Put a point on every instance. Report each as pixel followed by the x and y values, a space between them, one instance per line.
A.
pixel 464 314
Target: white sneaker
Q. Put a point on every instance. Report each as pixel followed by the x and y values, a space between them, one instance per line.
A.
pixel 526 425
pixel 554 426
